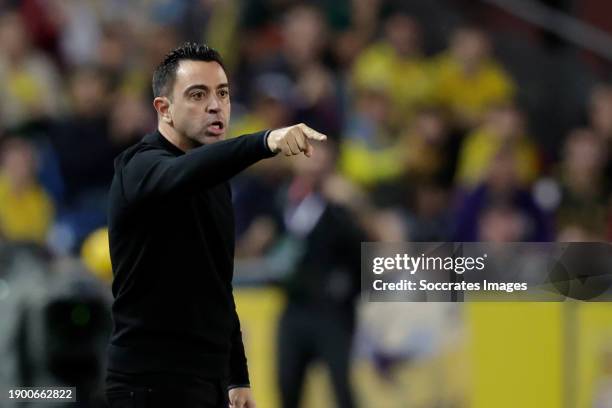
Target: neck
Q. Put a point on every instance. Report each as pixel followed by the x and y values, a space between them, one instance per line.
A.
pixel 470 68
pixel 174 137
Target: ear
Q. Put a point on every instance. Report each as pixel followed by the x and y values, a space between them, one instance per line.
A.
pixel 162 105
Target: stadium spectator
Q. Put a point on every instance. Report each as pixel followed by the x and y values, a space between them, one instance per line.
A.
pixel 430 218
pixel 502 191
pixel 504 129
pixel 584 195
pixel 469 79
pixel 31 83
pixel 369 151
pixel 305 36
pixel 430 148
pixel 600 121
pixel 396 63
pixel 255 189
pixel 272 104
pixel 85 133
pixel 26 210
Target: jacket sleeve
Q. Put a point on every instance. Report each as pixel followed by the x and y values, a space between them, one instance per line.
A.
pixel 239 372
pixel 155 173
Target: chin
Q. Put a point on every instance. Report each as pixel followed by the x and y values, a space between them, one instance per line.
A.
pixel 214 138
pixel 208 138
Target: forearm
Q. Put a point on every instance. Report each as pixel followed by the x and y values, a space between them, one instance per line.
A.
pixel 202 167
pixel 212 164
pixel 220 161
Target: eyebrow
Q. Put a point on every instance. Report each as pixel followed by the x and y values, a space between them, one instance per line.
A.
pixel 204 87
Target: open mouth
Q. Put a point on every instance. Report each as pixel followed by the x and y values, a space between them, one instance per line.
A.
pixel 216 127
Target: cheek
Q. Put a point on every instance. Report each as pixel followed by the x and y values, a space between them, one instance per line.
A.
pixel 191 109
pixel 186 114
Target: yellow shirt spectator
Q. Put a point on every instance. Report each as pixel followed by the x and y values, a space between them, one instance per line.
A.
pixel 482 146
pixel 24 215
pixel 369 166
pixel 468 97
pixel 408 81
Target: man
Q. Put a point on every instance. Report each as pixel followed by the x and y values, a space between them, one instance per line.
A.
pixel 176 340
pixel 321 238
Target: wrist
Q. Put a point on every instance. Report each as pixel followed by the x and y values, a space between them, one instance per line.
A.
pixel 269 142
pixel 232 386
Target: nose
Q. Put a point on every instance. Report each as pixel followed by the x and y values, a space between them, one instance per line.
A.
pixel 213 105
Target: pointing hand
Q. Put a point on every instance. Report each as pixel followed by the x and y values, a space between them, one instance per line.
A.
pixel 294 140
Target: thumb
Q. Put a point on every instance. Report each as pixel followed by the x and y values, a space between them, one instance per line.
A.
pixel 309 149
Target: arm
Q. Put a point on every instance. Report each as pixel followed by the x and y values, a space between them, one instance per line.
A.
pixel 153 173
pixel 239 372
pixel 157 174
pixel 239 392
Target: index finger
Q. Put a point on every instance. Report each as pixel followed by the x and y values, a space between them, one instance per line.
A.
pixel 312 134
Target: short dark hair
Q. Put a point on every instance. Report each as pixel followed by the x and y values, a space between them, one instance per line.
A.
pixel 165 73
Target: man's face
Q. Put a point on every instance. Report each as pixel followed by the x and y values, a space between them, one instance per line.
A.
pixel 200 103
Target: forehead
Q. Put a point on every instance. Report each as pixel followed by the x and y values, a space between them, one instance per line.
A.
pixel 208 73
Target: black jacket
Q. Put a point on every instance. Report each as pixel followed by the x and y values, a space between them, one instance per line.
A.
pixel 171 230
pixel 326 273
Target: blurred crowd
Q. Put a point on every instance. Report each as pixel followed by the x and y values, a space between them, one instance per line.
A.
pixel 429 145
pixel 431 133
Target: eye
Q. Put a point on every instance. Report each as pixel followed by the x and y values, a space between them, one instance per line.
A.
pixel 223 93
pixel 198 95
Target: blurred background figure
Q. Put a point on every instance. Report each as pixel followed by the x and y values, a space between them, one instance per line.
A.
pixel 481 212
pixel 584 187
pixel 504 129
pixel 26 210
pixel 397 65
pixel 32 84
pixel 82 186
pixel 450 120
pixel 322 284
pixel 369 153
pixel 469 79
